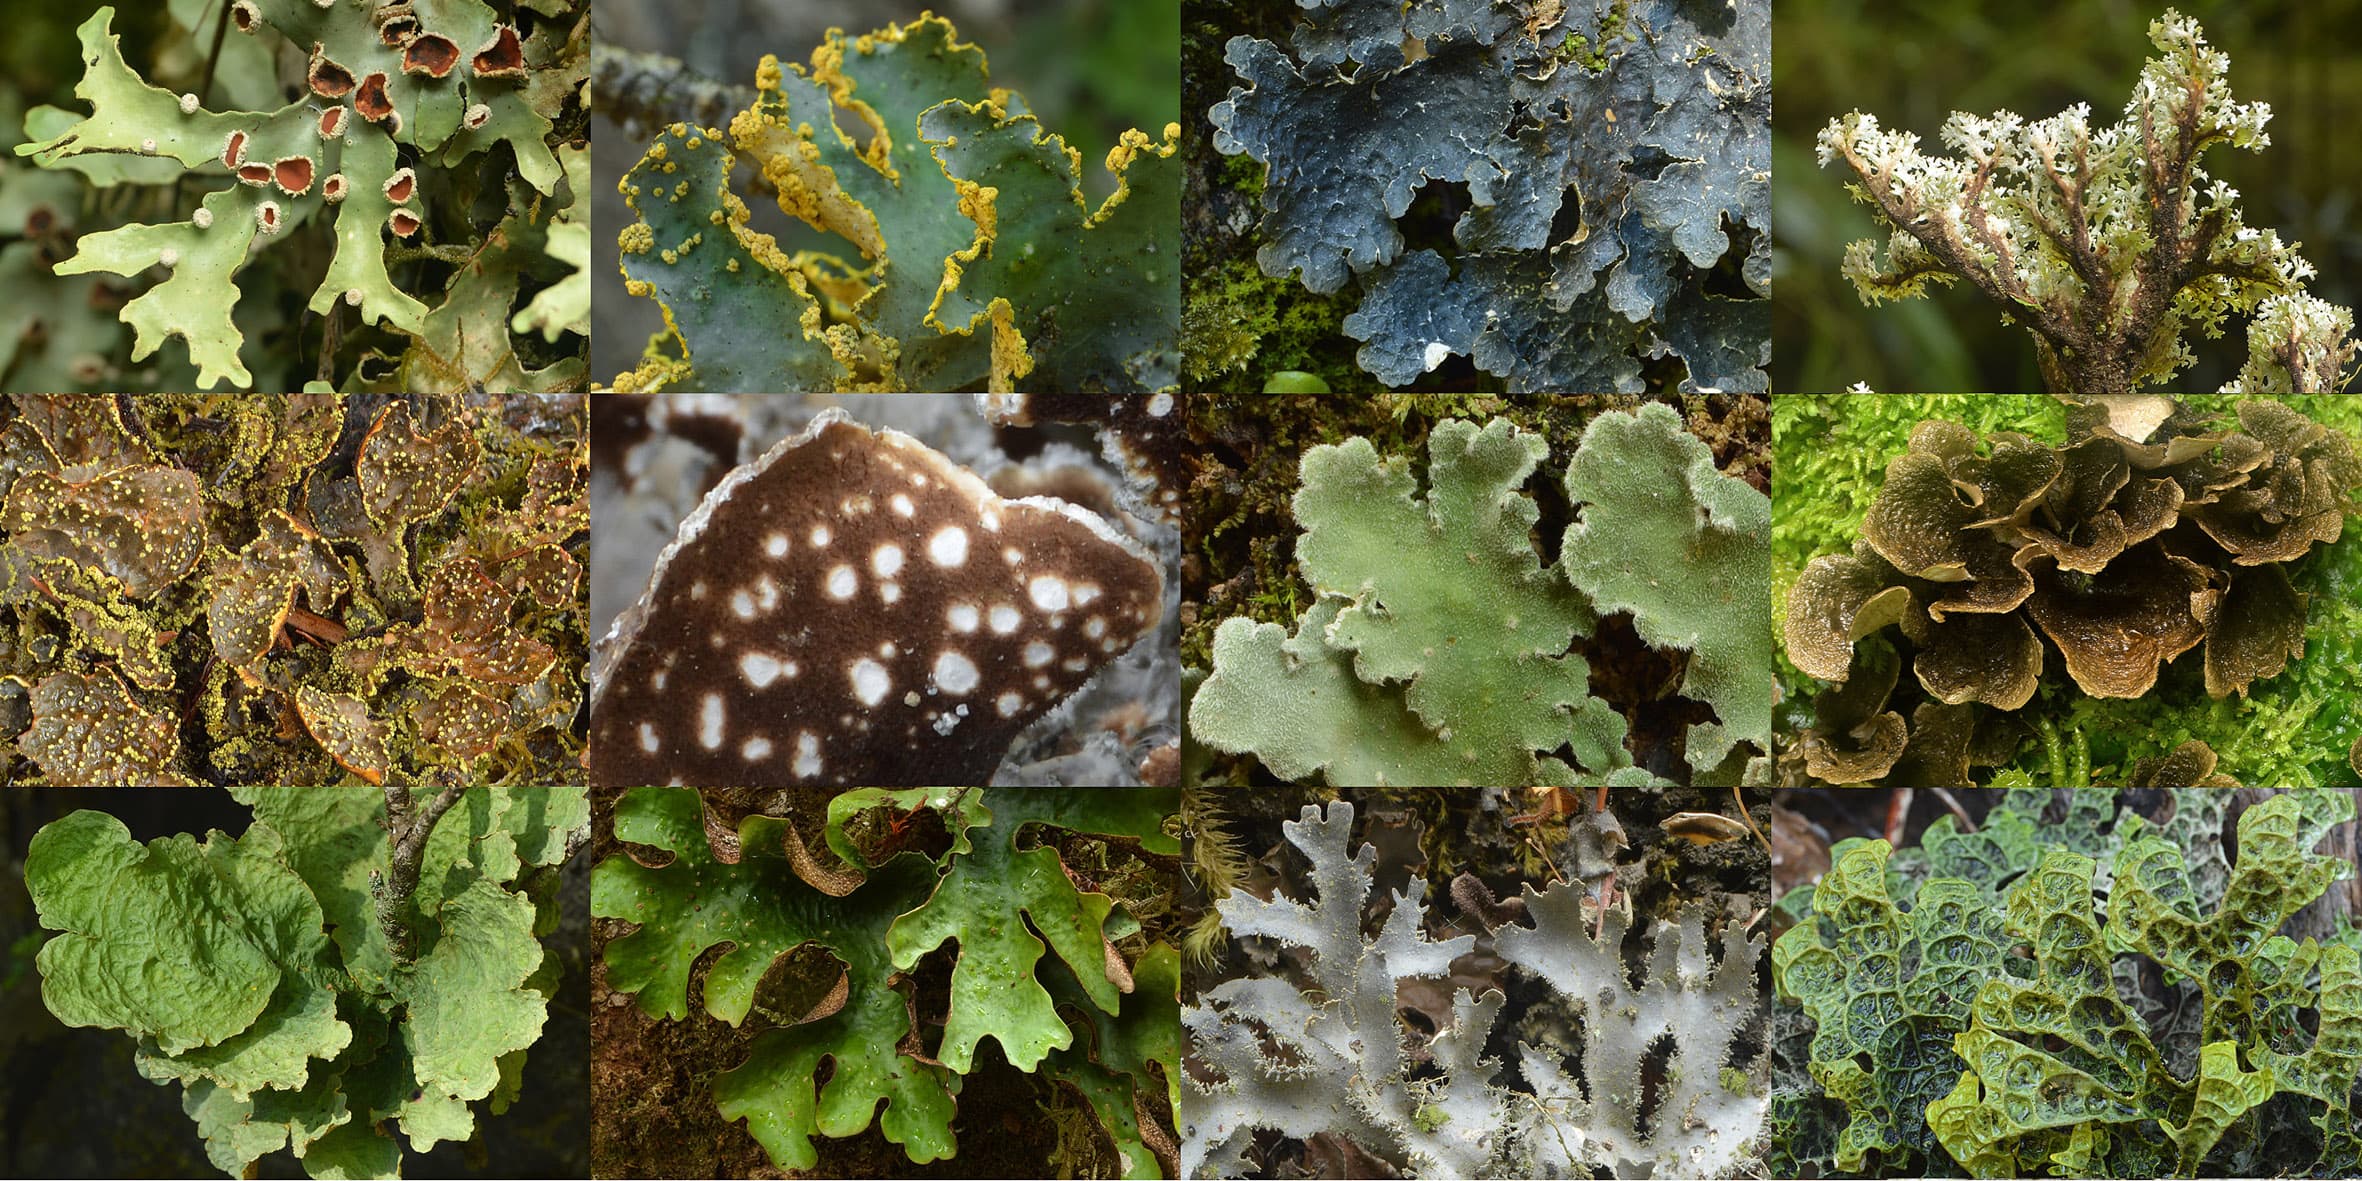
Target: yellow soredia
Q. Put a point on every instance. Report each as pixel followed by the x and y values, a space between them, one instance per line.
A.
pixel 636 238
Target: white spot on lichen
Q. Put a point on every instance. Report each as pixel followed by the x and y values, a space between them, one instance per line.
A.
pixel 1009 704
pixel 911 698
pixel 961 617
pixel 1437 351
pixel 188 104
pixel 742 604
pixel 1160 405
pixel 766 593
pixel 709 722
pixel 168 257
pixel 1096 627
pixel 1084 592
pixel 955 673
pixel 762 668
pixel 902 505
pixel 870 682
pixel 807 764
pixel 1048 592
pixel 891 592
pixel 755 750
pixel 992 521
pixel 1075 665
pixel 648 738
pixel 842 582
pixel 776 545
pixel 657 681
pixel 1004 619
pixel 820 535
pixel 697 590
pixel 887 561
pixel 203 218
pixel 949 546
pixel 1038 654
pixel 1012 555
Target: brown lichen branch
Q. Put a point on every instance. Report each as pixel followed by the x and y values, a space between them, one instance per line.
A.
pixel 408 828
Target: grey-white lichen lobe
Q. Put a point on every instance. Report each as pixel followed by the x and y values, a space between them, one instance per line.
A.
pixel 854 608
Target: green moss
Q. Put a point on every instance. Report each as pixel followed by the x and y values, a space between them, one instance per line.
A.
pixel 1238 320
pixel 1830 453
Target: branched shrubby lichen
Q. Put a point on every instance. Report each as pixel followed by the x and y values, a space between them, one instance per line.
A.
pixel 292 589
pixel 2149 534
pixel 966 253
pixel 414 123
pixel 2112 244
pixel 1993 1002
pixel 1439 648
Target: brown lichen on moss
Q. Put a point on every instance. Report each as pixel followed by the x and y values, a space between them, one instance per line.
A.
pixel 87 729
pixel 228 587
pixel 2149 534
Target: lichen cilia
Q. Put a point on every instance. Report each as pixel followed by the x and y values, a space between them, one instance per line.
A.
pixel 291 590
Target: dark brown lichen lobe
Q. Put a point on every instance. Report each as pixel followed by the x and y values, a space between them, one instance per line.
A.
pixel 2147 535
pixel 853 607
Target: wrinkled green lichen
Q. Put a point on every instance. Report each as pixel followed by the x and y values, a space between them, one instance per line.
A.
pixel 294 589
pixel 1057 973
pixel 1975 1006
pixel 1438 648
pixel 260 974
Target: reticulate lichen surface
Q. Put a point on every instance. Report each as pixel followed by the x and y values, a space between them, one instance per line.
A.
pixel 412 122
pixel 2111 244
pixel 291 590
pixel 2031 581
pixel 1442 649
pixel 1616 160
pixel 2088 994
pixel 960 250
pixel 1059 961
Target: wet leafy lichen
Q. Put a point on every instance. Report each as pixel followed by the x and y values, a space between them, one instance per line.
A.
pixel 2047 571
pixel 292 589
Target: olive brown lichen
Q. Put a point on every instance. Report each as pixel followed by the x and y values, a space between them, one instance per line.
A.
pixel 2150 533
pixel 227 589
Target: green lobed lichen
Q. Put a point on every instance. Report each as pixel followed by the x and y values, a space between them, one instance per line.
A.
pixel 963 252
pixel 1437 649
pixel 296 1010
pixel 1975 1007
pixel 1089 1002
pixel 415 123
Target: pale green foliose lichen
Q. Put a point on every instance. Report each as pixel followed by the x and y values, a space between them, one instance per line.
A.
pixel 1443 650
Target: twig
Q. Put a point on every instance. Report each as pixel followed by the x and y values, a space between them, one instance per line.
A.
pixel 644 91
pixel 409 833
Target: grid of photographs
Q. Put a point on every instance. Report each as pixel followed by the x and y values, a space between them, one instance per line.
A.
pixel 1180 589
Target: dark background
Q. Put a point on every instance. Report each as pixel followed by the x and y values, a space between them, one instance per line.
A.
pixel 1913 63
